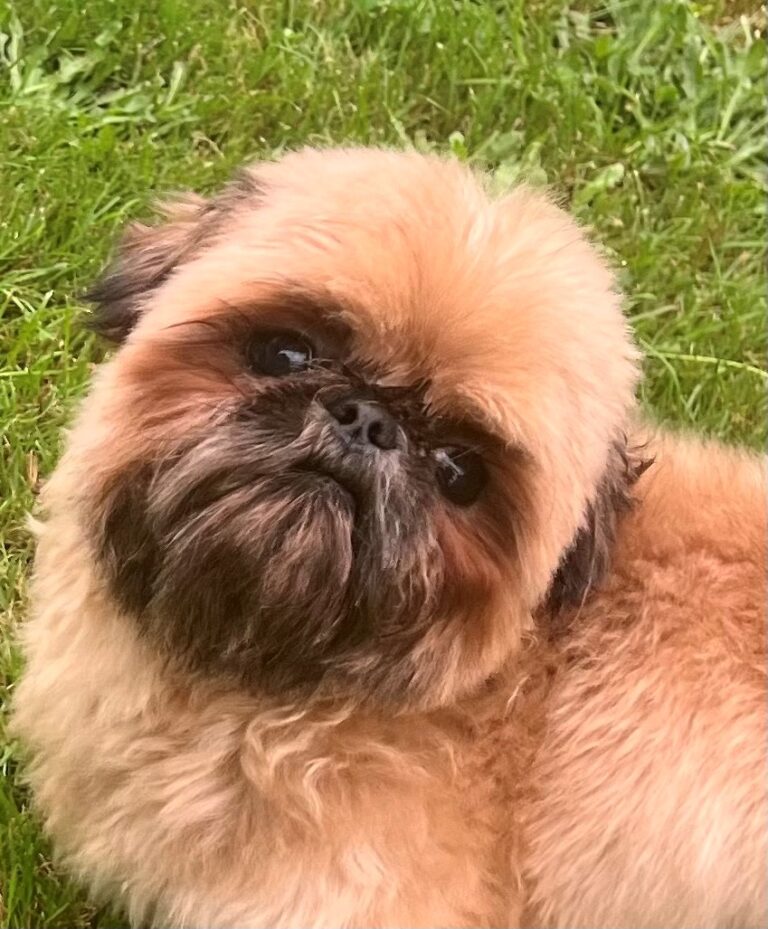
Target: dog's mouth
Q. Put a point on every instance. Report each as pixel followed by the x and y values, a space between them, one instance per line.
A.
pixel 334 480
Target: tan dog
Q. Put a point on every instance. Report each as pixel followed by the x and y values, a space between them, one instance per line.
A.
pixel 325 632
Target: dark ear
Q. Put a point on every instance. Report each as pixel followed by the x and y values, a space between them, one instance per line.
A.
pixel 587 560
pixel 145 257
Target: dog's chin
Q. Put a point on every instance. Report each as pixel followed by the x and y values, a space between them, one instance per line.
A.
pixel 319 576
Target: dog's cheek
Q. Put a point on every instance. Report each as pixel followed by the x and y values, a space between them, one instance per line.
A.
pixel 171 388
pixel 472 576
pixel 250 587
pixel 256 593
pixel 124 540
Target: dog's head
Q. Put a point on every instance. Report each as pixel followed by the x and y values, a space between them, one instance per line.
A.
pixel 364 418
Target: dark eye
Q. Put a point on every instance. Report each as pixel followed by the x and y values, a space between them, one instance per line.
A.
pixel 461 474
pixel 280 354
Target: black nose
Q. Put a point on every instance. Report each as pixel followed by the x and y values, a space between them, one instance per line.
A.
pixel 363 422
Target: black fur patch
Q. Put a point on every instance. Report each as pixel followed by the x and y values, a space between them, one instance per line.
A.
pixel 147 255
pixel 588 559
pixel 129 547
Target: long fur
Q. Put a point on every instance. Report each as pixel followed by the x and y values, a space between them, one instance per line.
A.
pixel 273 683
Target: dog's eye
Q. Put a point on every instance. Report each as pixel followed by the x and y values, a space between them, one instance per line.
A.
pixel 280 354
pixel 461 474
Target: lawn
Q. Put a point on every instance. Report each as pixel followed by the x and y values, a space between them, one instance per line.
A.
pixel 647 117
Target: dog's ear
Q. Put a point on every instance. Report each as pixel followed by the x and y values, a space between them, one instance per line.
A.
pixel 145 257
pixel 587 560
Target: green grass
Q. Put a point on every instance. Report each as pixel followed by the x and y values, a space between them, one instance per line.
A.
pixel 647 117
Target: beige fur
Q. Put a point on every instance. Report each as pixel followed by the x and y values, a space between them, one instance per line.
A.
pixel 613 774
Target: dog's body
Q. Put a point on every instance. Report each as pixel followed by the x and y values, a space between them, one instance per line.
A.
pixel 603 767
pixel 651 778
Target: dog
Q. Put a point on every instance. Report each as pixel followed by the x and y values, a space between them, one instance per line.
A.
pixel 364 594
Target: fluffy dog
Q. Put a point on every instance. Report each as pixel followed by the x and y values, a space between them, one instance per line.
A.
pixel 356 603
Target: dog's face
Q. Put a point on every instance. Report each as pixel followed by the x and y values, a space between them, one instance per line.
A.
pixel 364 419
